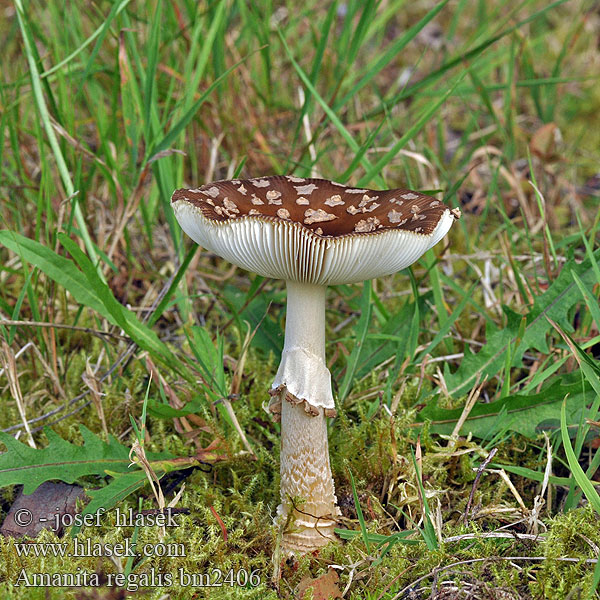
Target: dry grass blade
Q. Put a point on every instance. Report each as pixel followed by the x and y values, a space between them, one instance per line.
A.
pixel 18 353
pixel 139 457
pixel 91 380
pixel 469 404
pixel 235 388
pixel 49 371
pixel 10 370
pixel 539 501
pixel 181 423
pixel 419 473
pixel 512 488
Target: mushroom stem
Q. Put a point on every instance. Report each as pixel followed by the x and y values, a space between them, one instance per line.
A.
pixel 308 502
pixel 305 318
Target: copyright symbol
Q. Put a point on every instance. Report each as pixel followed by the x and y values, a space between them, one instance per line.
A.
pixel 23 517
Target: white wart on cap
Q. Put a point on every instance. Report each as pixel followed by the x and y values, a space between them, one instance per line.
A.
pixel 312 230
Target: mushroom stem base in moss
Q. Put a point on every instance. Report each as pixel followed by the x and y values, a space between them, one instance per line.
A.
pixel 308 502
pixel 302 395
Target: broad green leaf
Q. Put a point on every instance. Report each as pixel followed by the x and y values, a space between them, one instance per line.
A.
pixel 389 338
pixel 555 303
pixel 62 460
pixel 60 269
pixel 163 410
pixel 107 497
pixel 588 296
pixel 88 289
pixel 527 415
pixel 243 307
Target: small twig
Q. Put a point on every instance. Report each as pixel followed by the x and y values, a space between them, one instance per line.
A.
pixel 317 518
pixel 480 471
pixel 403 591
pixel 447 357
pixel 512 535
pixel 95 332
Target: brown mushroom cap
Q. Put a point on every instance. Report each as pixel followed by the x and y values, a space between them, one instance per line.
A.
pixel 312 230
pixel 326 208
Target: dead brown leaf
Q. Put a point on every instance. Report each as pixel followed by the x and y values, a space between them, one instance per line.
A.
pixel 324 587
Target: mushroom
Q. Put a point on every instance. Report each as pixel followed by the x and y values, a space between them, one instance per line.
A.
pixel 312 233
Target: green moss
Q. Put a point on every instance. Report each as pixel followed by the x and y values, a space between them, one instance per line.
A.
pixel 574 534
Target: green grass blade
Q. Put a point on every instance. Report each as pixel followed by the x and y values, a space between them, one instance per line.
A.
pixel 183 122
pixel 100 33
pixel 150 75
pixel 428 531
pixel 58 156
pixel 362 328
pixel 359 514
pixel 335 120
pixel 178 276
pixel 374 170
pixel 204 41
pixel 580 477
pixel 447 325
pixel 390 54
pixel 457 61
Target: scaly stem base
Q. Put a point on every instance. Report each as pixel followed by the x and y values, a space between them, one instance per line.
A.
pixel 308 503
